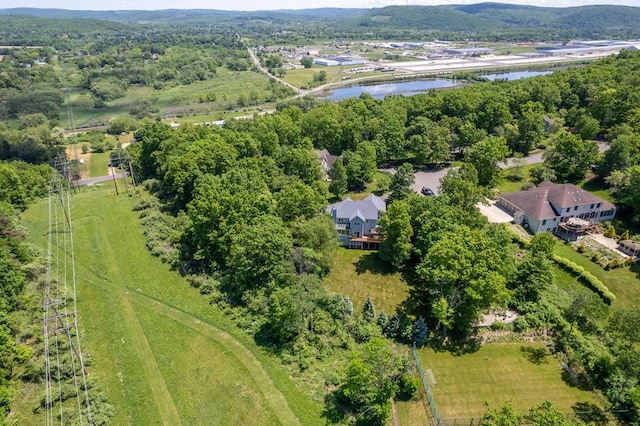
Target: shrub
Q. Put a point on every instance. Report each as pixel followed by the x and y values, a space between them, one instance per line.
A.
pixel 586 278
pixel 610 232
pixel 581 249
pixel 521 324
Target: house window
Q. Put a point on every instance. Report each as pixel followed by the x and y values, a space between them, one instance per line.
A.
pixel 575 208
pixel 568 209
pixel 599 204
pixel 544 222
pixel 592 205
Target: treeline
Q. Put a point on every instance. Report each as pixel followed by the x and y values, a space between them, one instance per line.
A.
pixel 108 64
pixel 20 184
pixel 484 21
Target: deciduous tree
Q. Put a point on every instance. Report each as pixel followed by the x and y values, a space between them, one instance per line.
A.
pixel 396 232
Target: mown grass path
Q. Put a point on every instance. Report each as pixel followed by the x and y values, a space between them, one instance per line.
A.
pixel 160 351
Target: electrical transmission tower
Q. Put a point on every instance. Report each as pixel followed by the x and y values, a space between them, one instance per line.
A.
pixel 64 363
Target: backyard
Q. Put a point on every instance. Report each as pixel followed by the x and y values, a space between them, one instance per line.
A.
pixel 360 274
pixel 523 374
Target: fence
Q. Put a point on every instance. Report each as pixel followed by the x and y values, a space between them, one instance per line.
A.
pixel 427 388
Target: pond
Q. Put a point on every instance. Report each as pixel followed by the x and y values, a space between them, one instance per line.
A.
pixel 409 88
pixel 515 75
pixel 379 91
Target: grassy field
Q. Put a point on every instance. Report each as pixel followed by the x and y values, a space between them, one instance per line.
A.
pixel 497 373
pixel 162 354
pixel 512 186
pixel 360 274
pixel 623 282
pixel 303 76
pixel 171 101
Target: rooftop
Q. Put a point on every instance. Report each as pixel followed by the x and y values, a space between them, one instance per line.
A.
pixel 366 209
pixel 543 201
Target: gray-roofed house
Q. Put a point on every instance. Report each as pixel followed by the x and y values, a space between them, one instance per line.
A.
pixel 356 221
pixel 327 161
pixel 564 209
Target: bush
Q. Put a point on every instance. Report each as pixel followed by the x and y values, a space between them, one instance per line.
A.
pixel 407 387
pixel 581 249
pixel 610 232
pixel 586 278
pixel 521 324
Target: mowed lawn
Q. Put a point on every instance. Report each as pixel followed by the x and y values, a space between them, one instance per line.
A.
pixel 360 274
pixel 623 282
pixel 495 374
pixel 162 354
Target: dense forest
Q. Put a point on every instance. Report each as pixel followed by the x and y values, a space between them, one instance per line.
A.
pixel 482 21
pixel 238 209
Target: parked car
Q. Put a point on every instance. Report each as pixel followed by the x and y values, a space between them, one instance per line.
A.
pixel 427 191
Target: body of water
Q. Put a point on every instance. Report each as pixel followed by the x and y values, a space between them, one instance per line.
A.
pixel 414 87
pixel 381 90
pixel 515 75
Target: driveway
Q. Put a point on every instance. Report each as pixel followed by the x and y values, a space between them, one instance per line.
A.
pixel 430 179
pixel 494 213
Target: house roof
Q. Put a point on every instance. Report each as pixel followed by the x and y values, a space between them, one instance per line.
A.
pixel 543 201
pixel 633 245
pixel 328 158
pixel 366 209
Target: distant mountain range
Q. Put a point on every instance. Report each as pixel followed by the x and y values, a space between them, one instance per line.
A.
pixel 481 18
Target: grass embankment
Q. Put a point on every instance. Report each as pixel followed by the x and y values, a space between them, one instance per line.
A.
pixel 161 352
pixel 623 282
pixel 360 274
pixel 495 374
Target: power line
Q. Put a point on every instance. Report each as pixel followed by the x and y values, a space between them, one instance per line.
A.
pixel 60 318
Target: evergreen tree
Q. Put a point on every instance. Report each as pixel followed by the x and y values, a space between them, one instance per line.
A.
pixel 419 334
pixel 393 326
pixel 349 304
pixel 383 319
pixel 368 310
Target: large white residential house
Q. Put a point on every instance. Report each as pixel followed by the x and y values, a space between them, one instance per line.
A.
pixel 356 221
pixel 565 209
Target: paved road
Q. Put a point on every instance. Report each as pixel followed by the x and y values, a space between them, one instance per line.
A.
pixel 431 179
pixel 93 181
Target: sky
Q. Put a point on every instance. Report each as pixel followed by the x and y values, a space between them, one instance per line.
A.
pixel 274 4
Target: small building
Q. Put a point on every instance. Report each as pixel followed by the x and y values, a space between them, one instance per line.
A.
pixel 565 209
pixel 630 247
pixel 356 221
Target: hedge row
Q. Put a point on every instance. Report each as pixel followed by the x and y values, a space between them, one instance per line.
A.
pixel 586 277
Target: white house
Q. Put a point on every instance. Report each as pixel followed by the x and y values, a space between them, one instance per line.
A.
pixel 356 221
pixel 563 209
pixel 327 160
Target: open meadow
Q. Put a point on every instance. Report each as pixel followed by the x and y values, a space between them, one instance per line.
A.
pixel 161 353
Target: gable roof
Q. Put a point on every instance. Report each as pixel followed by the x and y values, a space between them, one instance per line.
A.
pixel 543 201
pixel 327 158
pixel 366 209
